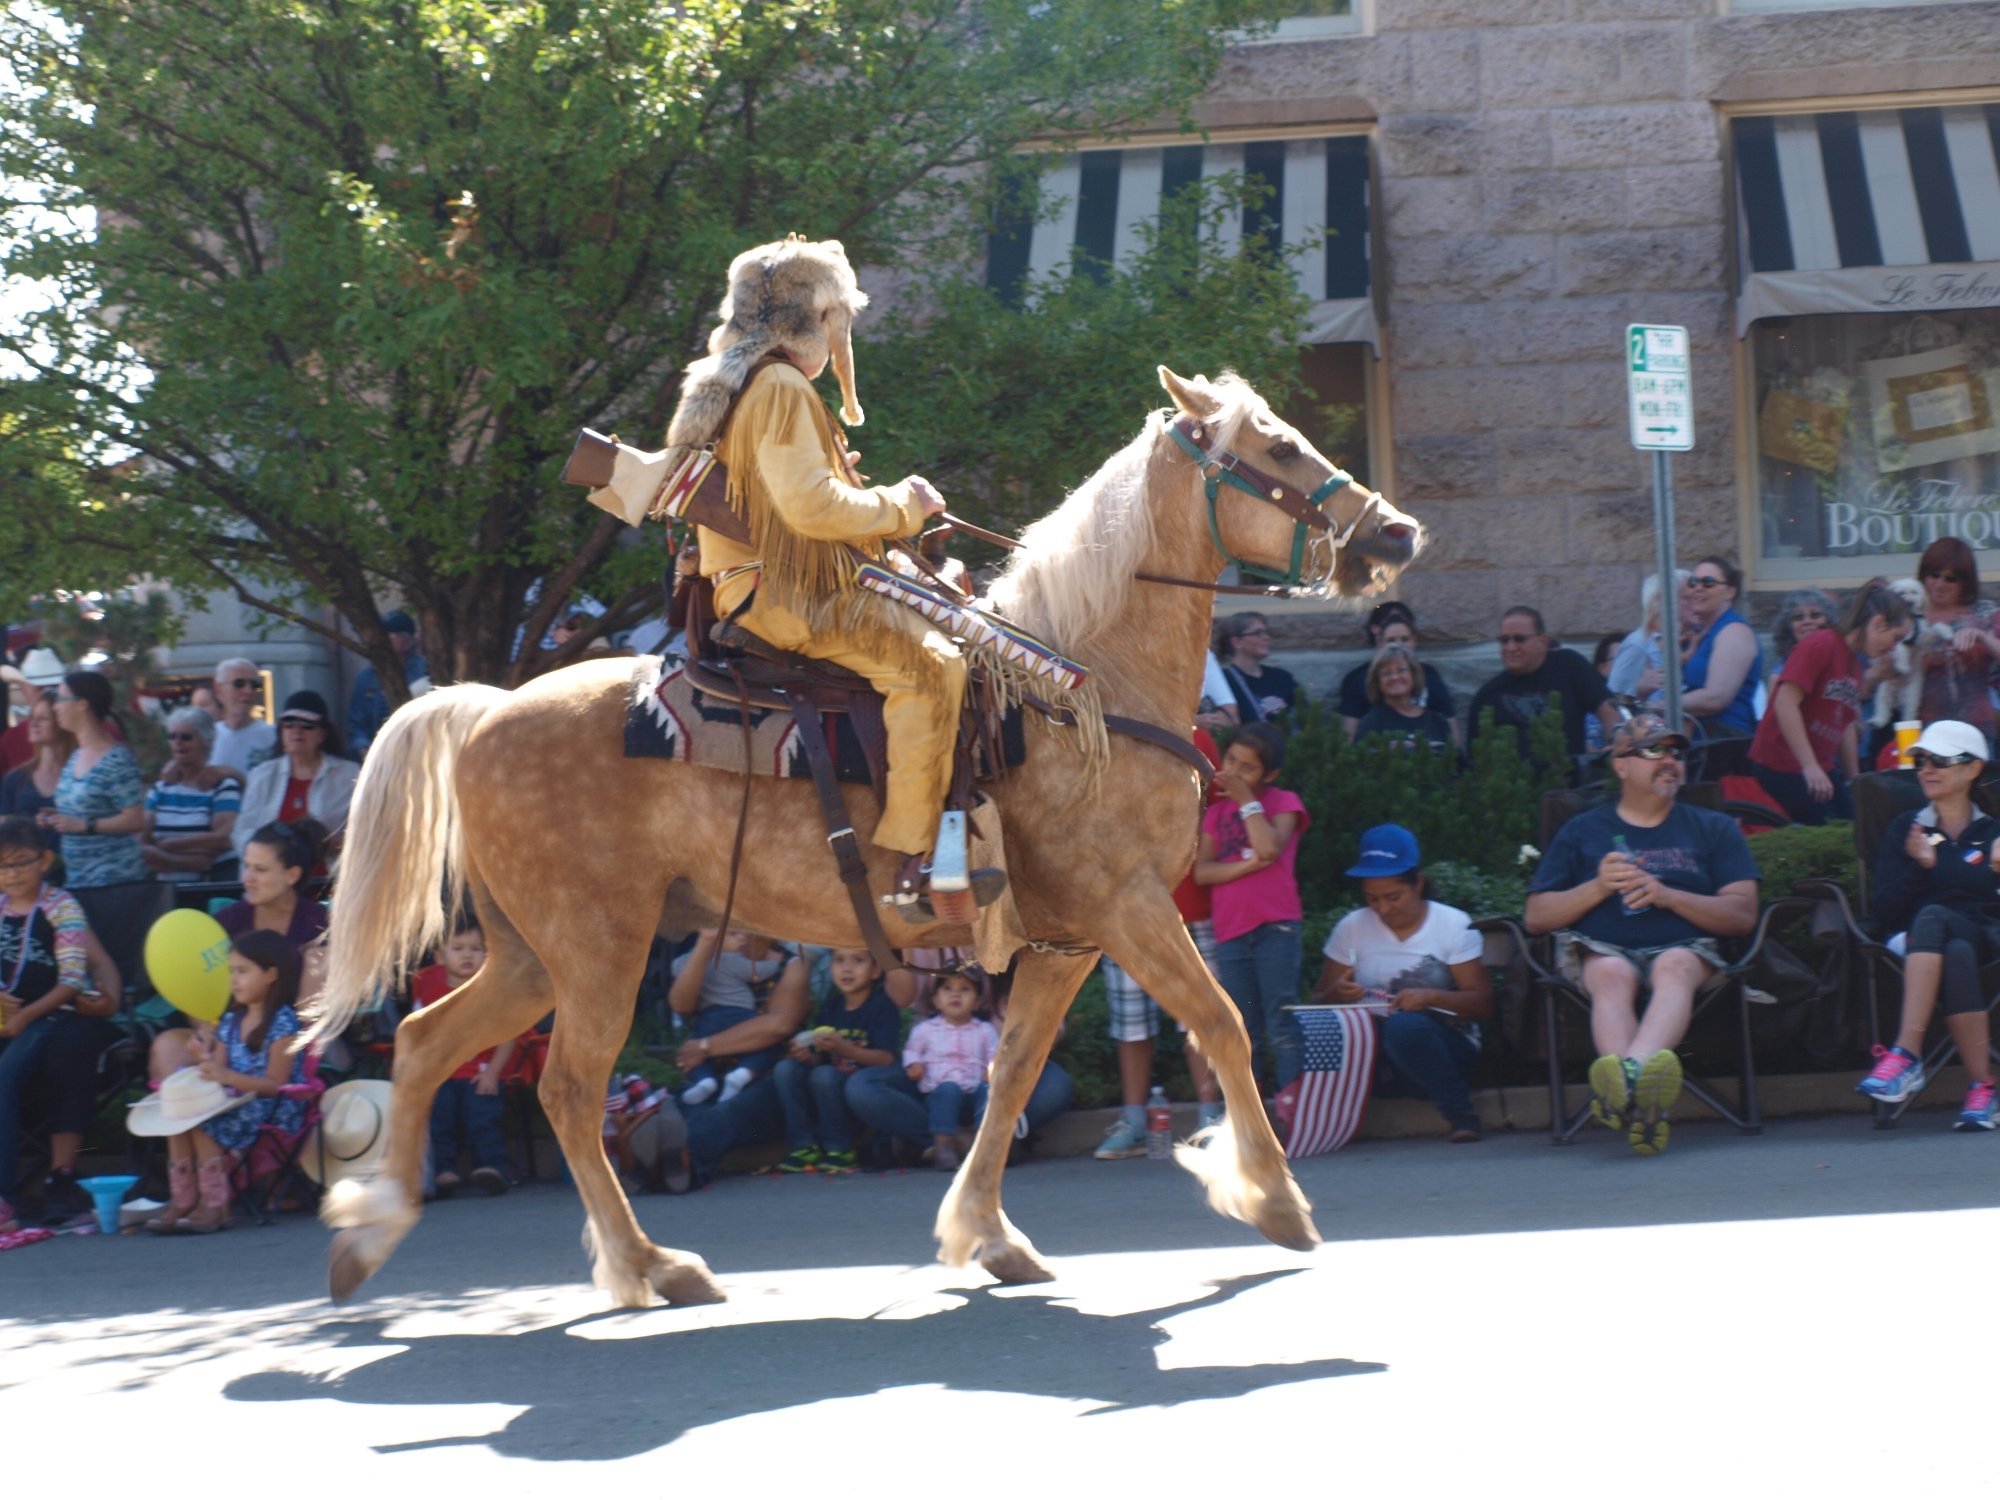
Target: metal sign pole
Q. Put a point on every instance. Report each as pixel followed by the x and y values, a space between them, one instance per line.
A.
pixel 1670 604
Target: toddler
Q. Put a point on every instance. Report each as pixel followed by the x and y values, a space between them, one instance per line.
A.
pixel 948 1056
pixel 722 992
pixel 467 1110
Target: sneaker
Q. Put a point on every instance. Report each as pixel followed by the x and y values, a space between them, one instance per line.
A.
pixel 837 1162
pixel 1978 1111
pixel 1658 1086
pixel 1123 1140
pixel 63 1200
pixel 1895 1076
pixel 1610 1091
pixel 1466 1131
pixel 490 1180
pixel 447 1184
pixel 802 1159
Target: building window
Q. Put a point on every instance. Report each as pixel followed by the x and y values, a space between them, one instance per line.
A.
pixel 1312 21
pixel 1875 435
pixel 1868 247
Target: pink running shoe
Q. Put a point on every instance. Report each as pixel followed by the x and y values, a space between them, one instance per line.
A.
pixel 1895 1076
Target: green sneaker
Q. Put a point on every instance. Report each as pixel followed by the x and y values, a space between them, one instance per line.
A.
pixel 802 1159
pixel 1122 1141
pixel 839 1161
pixel 1611 1090
pixel 1653 1095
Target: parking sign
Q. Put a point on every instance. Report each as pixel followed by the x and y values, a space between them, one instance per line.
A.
pixel 1660 387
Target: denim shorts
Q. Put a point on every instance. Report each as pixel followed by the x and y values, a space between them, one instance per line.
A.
pixel 1572 948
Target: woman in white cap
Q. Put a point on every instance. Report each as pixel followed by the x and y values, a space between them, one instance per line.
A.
pixel 308 779
pixel 237 1082
pixel 1934 881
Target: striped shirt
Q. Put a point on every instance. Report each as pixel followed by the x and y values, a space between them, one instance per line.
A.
pixel 179 809
pixel 43 946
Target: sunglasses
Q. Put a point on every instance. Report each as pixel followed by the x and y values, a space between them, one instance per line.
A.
pixel 1514 640
pixel 1699 582
pixel 243 682
pixel 1241 635
pixel 1658 752
pixel 1946 574
pixel 299 724
pixel 1923 760
pixel 182 737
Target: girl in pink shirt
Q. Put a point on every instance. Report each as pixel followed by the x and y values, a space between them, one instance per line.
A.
pixel 1249 848
pixel 948 1056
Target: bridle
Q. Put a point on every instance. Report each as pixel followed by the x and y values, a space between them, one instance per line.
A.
pixel 1312 528
pixel 1225 467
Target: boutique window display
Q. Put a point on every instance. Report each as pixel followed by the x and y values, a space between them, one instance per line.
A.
pixel 1875 435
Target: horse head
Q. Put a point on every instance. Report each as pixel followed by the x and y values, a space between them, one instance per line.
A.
pixel 1277 507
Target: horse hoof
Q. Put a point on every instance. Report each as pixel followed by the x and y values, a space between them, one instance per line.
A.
pixel 687 1283
pixel 346 1267
pixel 1014 1265
pixel 1294 1229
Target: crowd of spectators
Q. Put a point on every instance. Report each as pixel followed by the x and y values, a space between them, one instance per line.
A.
pixel 821 1053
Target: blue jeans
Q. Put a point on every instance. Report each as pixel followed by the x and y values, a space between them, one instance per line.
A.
pixel 19 1064
pixel 1260 970
pixel 1427 1055
pixel 814 1100
pixel 888 1101
pixel 950 1106
pixel 713 1020
pixel 462 1116
pixel 751 1117
pixel 1788 790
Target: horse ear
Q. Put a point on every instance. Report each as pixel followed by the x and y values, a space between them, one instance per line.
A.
pixel 1191 396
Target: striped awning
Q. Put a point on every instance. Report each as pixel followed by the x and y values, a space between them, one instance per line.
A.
pixel 1318 199
pixel 1886 210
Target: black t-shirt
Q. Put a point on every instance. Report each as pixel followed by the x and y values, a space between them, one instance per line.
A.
pixel 1354 702
pixel 1265 696
pixel 1564 681
pixel 1429 728
pixel 1694 850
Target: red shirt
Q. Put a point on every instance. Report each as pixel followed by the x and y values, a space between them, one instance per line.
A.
pixel 1825 669
pixel 1191 900
pixel 429 985
pixel 298 794
pixel 14 747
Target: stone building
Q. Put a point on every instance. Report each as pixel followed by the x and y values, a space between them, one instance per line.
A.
pixel 1809 186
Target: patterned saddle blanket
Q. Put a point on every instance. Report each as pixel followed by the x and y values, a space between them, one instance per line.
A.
pixel 669 718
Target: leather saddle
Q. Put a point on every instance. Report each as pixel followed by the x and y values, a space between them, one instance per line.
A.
pixel 744 668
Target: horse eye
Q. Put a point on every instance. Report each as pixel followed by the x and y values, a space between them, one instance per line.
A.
pixel 1284 450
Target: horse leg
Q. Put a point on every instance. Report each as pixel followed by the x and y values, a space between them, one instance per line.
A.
pixel 969 1220
pixel 588 1035
pixel 1239 1162
pixel 509 994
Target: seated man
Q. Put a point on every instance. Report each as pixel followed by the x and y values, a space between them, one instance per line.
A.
pixel 1636 892
pixel 1536 677
pixel 790 308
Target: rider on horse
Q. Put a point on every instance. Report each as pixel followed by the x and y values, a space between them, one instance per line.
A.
pixel 813 522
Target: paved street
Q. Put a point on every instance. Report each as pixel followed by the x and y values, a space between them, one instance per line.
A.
pixel 1484 1318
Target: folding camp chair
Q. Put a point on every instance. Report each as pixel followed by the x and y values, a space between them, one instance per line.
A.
pixel 276 1158
pixel 1726 991
pixel 1880 797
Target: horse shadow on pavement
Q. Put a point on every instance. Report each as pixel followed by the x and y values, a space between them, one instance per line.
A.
pixel 606 1399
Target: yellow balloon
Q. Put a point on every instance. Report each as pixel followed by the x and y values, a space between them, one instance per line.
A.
pixel 187 956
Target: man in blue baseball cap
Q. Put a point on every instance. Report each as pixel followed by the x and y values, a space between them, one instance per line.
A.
pixel 367 704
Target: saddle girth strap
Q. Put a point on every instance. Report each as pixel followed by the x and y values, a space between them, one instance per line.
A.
pixel 840 835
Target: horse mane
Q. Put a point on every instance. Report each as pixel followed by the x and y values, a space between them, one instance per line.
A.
pixel 1074 569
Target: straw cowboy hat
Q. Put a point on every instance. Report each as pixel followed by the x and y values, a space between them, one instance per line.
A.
pixel 184 1100
pixel 40 667
pixel 353 1132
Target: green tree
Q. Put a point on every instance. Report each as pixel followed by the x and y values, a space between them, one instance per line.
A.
pixel 360 270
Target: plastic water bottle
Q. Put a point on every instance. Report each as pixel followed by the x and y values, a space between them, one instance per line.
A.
pixel 1159 1125
pixel 1624 905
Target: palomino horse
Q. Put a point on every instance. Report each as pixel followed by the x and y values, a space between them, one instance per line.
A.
pixel 574 853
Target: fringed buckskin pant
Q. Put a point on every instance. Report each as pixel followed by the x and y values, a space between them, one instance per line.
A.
pixel 919 707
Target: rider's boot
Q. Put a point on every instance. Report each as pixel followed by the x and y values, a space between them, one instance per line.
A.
pixel 941 886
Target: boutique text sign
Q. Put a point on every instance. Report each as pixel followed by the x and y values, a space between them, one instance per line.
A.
pixel 1907 516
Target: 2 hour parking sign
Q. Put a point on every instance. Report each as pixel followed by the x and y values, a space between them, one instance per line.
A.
pixel 1660 387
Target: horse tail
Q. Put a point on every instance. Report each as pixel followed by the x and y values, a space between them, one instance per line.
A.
pixel 404 854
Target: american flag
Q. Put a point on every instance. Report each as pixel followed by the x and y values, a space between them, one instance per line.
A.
pixel 1324 1104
